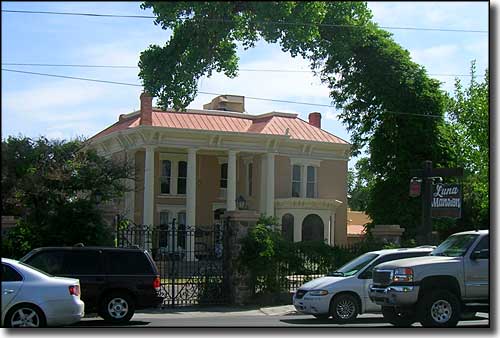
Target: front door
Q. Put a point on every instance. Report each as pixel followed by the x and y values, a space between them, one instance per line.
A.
pixel 476 272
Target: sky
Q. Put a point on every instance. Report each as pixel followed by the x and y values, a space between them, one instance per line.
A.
pixel 36 106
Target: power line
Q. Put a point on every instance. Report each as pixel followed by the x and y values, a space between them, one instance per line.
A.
pixel 200 92
pixel 136 67
pixel 259 22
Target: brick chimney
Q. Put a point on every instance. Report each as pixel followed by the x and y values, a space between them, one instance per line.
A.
pixel 315 119
pixel 146 109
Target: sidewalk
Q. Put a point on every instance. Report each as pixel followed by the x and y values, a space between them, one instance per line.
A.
pixel 217 311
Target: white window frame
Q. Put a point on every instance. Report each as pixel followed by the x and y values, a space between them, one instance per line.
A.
pixel 295 181
pixel 314 182
pixel 304 163
pixel 174 172
pixel 222 191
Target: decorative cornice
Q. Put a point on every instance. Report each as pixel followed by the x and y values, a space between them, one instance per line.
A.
pixel 306 203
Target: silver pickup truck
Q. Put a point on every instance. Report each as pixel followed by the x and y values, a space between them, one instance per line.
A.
pixel 436 290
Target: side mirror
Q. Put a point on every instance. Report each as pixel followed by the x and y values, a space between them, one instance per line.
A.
pixel 480 254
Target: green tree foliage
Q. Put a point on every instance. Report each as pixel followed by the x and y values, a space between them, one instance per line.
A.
pixel 381 92
pixel 467 132
pixel 359 184
pixel 50 186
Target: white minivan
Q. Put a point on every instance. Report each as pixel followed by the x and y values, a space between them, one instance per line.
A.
pixel 343 294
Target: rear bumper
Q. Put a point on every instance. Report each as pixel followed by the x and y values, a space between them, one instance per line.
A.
pixel 145 301
pixel 60 313
pixel 395 295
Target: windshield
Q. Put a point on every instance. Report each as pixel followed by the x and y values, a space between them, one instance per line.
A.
pixel 355 265
pixel 455 246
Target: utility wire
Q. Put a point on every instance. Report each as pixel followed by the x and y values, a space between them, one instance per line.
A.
pixel 200 92
pixel 135 67
pixel 261 22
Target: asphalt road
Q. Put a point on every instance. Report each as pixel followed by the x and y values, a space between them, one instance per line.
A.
pixel 254 319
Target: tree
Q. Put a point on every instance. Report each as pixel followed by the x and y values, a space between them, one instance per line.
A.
pixel 51 187
pixel 389 103
pixel 467 132
pixel 359 184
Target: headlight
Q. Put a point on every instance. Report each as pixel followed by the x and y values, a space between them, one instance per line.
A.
pixel 403 275
pixel 318 293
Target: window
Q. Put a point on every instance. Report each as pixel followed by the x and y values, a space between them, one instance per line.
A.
pixel 128 263
pixel 10 275
pixel 287 227
pixel 249 179
pixel 166 172
pixel 296 181
pixel 181 230
pixel 311 182
pixel 223 175
pixel 85 262
pixel 181 177
pixel 48 261
pixel 163 235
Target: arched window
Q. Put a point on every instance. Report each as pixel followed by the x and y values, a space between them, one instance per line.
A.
pixel 287 227
pixel 312 228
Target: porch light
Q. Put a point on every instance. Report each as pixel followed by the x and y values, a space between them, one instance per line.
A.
pixel 241 203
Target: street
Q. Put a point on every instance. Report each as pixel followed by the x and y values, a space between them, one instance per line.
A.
pixel 253 318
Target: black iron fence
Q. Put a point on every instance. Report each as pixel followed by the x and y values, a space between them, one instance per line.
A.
pixel 188 259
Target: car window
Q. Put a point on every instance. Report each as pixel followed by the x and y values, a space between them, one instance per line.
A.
pixel 84 262
pixel 128 263
pixel 48 261
pixel 484 243
pixel 10 275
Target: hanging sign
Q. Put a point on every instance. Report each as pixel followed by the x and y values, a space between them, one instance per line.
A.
pixel 446 201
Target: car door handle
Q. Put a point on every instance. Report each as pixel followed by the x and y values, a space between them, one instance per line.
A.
pixel 7 291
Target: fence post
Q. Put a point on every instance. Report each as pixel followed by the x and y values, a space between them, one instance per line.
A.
pixel 236 282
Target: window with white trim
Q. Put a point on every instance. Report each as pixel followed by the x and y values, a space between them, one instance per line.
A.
pixel 311 182
pixel 223 175
pixel 166 172
pixel 296 180
pixel 181 177
pixel 250 179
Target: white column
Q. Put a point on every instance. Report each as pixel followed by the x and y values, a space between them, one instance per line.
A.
pixel 303 181
pixel 148 210
pixel 130 195
pixel 262 190
pixel 191 200
pixel 231 181
pixel 270 184
pixel 191 188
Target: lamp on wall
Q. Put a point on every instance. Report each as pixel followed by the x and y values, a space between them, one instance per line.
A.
pixel 241 203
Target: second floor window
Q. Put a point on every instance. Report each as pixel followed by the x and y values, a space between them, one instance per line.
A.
pixel 181 177
pixel 166 172
pixel 311 182
pixel 250 180
pixel 223 175
pixel 296 181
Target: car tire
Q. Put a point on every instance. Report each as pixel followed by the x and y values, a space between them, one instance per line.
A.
pixel 25 315
pixel 439 308
pixel 344 308
pixel 322 316
pixel 397 318
pixel 117 307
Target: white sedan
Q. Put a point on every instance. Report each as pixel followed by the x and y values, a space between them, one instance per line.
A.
pixel 32 298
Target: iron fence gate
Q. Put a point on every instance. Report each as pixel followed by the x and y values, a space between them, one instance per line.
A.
pixel 189 260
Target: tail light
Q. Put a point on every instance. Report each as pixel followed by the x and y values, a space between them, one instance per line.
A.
pixel 157 283
pixel 74 290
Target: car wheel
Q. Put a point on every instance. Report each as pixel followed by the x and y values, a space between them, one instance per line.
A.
pixel 398 318
pixel 440 308
pixel 322 316
pixel 344 308
pixel 25 315
pixel 117 307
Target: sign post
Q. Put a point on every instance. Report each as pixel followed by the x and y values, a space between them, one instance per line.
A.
pixel 428 175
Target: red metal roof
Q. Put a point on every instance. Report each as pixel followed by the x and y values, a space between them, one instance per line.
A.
pixel 268 124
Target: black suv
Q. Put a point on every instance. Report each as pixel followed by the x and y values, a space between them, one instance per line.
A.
pixel 114 281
